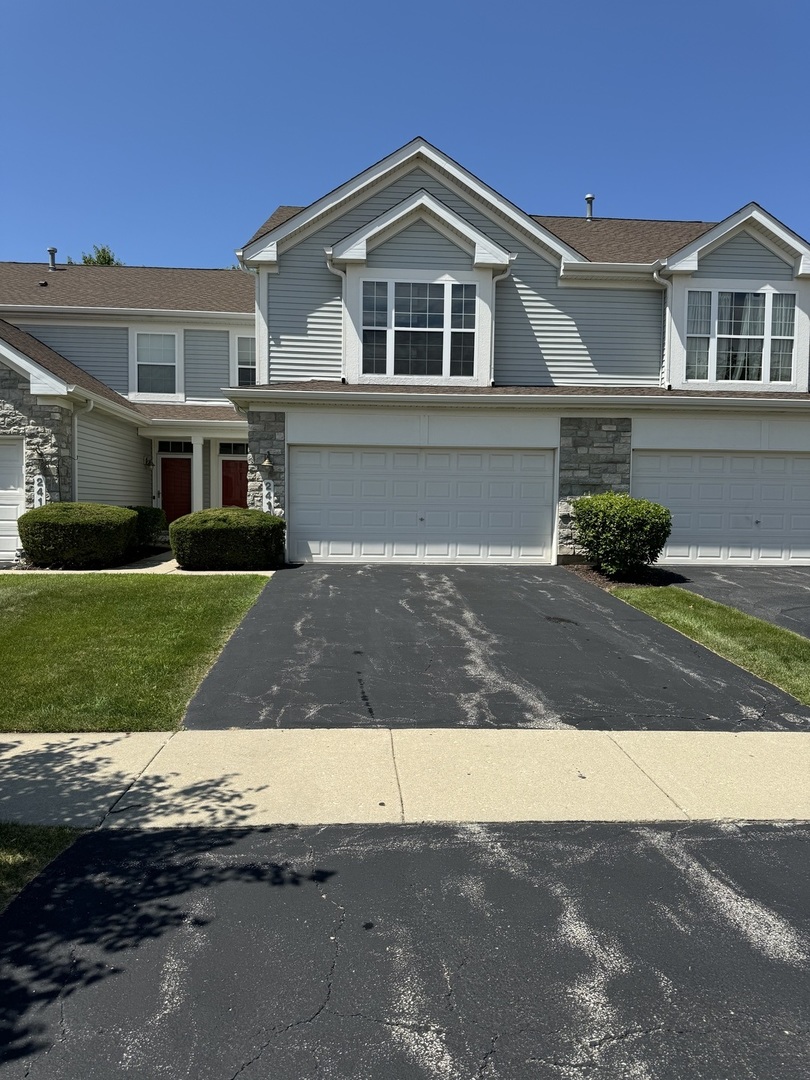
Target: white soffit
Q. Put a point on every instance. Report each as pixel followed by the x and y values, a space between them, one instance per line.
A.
pixel 354 248
pixel 686 260
pixel 264 250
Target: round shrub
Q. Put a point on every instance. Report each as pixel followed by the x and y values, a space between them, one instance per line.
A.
pixel 150 524
pixel 77 536
pixel 228 538
pixel 620 534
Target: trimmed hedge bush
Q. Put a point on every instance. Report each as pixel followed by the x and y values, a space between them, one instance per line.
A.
pixel 620 534
pixel 78 536
pixel 150 524
pixel 228 538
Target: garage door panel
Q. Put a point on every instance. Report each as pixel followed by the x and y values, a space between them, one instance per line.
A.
pixel 421 506
pixel 12 497
pixel 735 507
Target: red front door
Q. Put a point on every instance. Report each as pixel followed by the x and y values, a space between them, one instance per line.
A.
pixel 234 482
pixel 175 486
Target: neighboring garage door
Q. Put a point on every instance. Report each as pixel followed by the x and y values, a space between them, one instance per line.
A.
pixel 411 506
pixel 730 508
pixel 12 496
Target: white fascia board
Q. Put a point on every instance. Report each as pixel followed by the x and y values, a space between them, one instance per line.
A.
pixel 610 273
pixel 42 381
pixel 265 249
pixel 78 393
pixel 213 429
pixel 274 398
pixel 128 313
pixel 354 248
pixel 686 260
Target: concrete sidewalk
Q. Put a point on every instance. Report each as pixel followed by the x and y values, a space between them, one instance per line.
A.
pixel 233 778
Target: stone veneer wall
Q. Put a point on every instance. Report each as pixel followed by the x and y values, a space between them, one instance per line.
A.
pixel 47 430
pixel 266 438
pixel 594 457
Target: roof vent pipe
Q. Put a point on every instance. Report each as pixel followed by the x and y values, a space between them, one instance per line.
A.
pixel 589 201
pixel 52 258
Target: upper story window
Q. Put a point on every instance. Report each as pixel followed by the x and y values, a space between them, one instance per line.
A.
pixel 156 358
pixel 246 361
pixel 418 328
pixel 740 336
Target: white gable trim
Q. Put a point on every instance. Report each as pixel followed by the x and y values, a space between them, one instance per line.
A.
pixel 687 259
pixel 354 248
pixel 42 381
pixel 264 250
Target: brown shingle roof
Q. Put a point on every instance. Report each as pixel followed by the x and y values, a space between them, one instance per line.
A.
pixel 332 385
pixel 127 287
pixel 157 411
pixel 57 364
pixel 626 240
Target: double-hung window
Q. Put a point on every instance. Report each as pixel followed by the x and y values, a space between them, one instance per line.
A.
pixel 740 336
pixel 157 363
pixel 418 328
pixel 245 361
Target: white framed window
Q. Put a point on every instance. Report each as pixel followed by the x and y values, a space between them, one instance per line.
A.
pixel 245 361
pixel 418 329
pixel 740 335
pixel 156 363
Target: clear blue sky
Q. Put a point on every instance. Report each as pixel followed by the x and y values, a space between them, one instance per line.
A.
pixel 170 130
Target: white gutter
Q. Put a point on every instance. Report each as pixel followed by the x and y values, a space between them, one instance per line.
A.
pixel 507 400
pixel 667 322
pixel 74 479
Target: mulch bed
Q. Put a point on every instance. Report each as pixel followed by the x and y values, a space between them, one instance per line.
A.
pixel 649 575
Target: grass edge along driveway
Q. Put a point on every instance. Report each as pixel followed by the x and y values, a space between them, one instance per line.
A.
pixel 111 652
pixel 25 851
pixel 770 652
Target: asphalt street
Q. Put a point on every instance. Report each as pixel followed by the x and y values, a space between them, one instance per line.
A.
pixel 779 595
pixel 497 647
pixel 410 952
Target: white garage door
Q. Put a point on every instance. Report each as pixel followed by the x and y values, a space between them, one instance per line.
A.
pixel 12 496
pixel 386 504
pixel 730 508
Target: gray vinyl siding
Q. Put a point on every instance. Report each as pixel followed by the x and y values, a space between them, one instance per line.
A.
pixel 420 247
pixel 545 333
pixel 103 351
pixel 744 257
pixel 206 355
pixel 110 465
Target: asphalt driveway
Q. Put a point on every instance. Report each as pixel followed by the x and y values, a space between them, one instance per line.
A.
pixel 514 952
pixel 382 646
pixel 777 594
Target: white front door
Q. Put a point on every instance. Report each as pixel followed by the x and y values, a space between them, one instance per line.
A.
pixel 12 496
pixel 380 504
pixel 730 508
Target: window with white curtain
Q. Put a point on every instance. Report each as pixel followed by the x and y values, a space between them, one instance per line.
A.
pixel 739 336
pixel 157 364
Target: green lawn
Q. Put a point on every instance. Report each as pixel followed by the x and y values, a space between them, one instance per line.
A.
pixel 24 851
pixel 776 655
pixel 111 652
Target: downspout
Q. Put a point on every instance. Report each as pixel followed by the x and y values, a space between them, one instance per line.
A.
pixel 74 479
pixel 330 266
pixel 667 320
pixel 495 280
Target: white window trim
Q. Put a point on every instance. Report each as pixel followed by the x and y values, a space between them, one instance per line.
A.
pixel 353 322
pixel 683 285
pixel 179 367
pixel 234 354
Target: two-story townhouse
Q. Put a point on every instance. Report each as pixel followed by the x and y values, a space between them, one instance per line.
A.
pixel 440 373
pixel 435 376
pixel 111 387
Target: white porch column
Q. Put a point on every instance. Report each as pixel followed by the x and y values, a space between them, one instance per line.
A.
pixel 197 472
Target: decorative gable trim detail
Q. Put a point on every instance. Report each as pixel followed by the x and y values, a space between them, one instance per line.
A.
pixel 42 381
pixel 765 225
pixel 264 250
pixel 420 206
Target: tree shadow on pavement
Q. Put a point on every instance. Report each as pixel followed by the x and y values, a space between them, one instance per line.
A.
pixel 112 892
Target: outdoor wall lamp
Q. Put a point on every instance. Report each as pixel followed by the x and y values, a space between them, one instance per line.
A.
pixel 267 463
